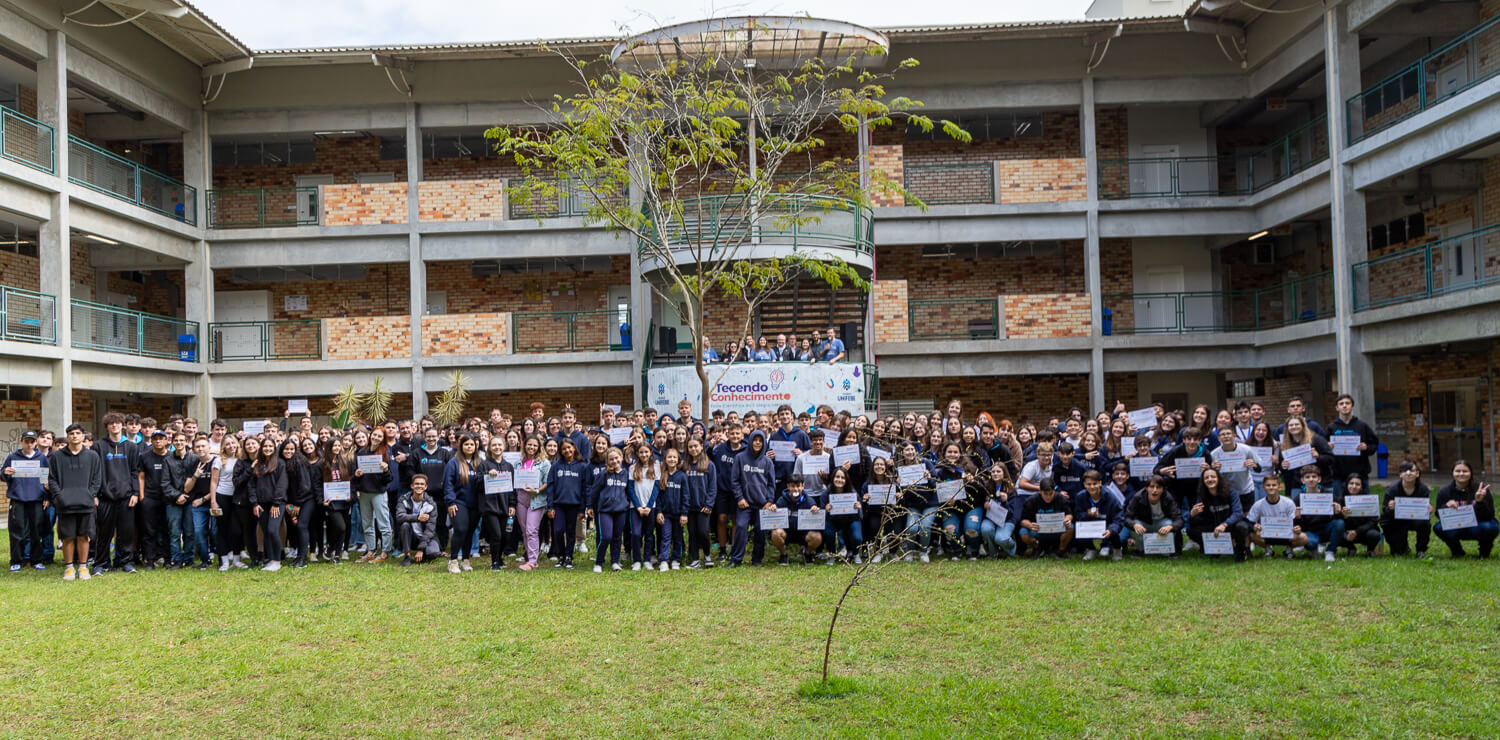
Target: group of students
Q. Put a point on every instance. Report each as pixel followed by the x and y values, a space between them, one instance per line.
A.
pixel 668 491
pixel 815 348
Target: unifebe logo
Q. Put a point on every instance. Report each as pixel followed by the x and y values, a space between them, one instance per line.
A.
pixel 846 384
pixel 661 388
pixel 777 377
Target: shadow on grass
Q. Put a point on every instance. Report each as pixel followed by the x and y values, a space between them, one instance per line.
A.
pixel 833 688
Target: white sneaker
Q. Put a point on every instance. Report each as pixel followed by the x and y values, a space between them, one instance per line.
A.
pixel 664 567
pixel 583 549
pixel 238 562
pixel 1190 546
pixel 636 565
pixel 223 563
pixel 1328 556
pixel 453 566
pixel 272 566
pixel 1322 549
pixel 68 573
pixel 598 569
pixel 676 565
pixel 1089 555
pixel 1104 551
pixel 614 566
pixel 879 556
pixel 859 560
pixel 908 558
pixel 465 566
pixel 1117 556
pixel 925 558
pixel 312 557
pixel 83 573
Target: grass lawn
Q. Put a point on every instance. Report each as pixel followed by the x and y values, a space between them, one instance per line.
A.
pixel 1362 648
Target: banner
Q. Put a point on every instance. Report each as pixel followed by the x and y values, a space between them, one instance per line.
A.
pixel 760 386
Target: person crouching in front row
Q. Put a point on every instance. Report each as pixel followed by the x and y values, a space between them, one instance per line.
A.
pixel 416 514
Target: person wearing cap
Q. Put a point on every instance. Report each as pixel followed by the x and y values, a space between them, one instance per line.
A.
pixel 29 500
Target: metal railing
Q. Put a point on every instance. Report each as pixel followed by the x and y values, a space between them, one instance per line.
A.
pixel 1243 174
pixel 930 319
pixel 110 329
pixel 951 184
pixel 111 174
pixel 1434 77
pixel 26 140
pixel 27 316
pixel 1294 301
pixel 795 220
pixel 1459 262
pixel 565 331
pixel 872 387
pixel 572 199
pixel 249 208
pixel 292 339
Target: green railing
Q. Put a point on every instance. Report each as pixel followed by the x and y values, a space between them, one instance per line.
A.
pixel 1295 301
pixel 1434 77
pixel 565 331
pixel 1460 262
pixel 110 329
pixel 293 339
pixel 951 184
pixel 1243 174
pixel 26 140
pixel 111 174
pixel 953 319
pixel 872 387
pixel 249 208
pixel 27 316
pixel 795 220
pixel 571 199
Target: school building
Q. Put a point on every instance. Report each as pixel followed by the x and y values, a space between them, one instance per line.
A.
pixel 1191 201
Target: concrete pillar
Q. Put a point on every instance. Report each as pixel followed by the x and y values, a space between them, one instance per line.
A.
pixel 1092 270
pixel 198 276
pixel 54 236
pixel 418 268
pixel 1341 59
pixel 864 184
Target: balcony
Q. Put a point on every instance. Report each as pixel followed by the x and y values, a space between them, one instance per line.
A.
pixel 953 319
pixel 566 331
pixel 1296 301
pixel 1438 75
pixel 1461 262
pixel 27 316
pixel 113 175
pixel 951 184
pixel 230 341
pixel 259 208
pixel 1246 174
pixel 110 329
pixel 27 141
pixel 569 199
pixel 820 225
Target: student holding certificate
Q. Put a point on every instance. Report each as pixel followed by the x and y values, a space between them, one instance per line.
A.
pixel 373 511
pixel 1296 434
pixel 956 466
pixel 1097 506
pixel 1359 529
pixel 998 528
pixel 498 507
pixel 1180 484
pixel 1154 511
pixel 531 501
pixel 1046 506
pixel 1272 519
pixel 796 499
pixel 1463 492
pixel 921 505
pixel 336 469
pixel 843 526
pixel 1397 529
pixel 28 498
pixel 1324 529
pixel 1359 436
pixel 1217 510
pixel 875 497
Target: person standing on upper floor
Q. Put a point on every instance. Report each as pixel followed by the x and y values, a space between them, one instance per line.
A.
pixel 833 348
pixel 783 351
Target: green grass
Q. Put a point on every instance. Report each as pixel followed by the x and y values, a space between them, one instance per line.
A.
pixel 1364 648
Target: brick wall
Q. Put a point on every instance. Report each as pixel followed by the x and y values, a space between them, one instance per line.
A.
pixel 364 205
pixel 1044 169
pixel 888 158
pixel 366 338
pixel 890 310
pixel 340 156
pixel 518 403
pixel 1019 398
pixel 384 291
pixel 461 200
pixel 962 277
pixel 20 271
pixel 1047 316
pixel 466 334
pixel 543 291
pixel 1280 390
pixel 1449 366
pixel 1122 387
pixel 272 408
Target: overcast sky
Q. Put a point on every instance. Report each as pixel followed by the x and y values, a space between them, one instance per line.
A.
pixel 280 24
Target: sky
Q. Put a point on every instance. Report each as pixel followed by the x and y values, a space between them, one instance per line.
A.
pixel 282 24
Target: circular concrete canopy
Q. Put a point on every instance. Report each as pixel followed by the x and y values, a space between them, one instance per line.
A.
pixel 771 41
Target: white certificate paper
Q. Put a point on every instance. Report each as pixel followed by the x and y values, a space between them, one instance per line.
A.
pixel 809 521
pixel 949 490
pixel 1143 419
pixel 1127 445
pixel 1051 522
pixel 778 519
pixel 1262 455
pixel 528 478
pixel 1345 445
pixel 1158 544
pixel 1189 467
pixel 910 475
pixel 1232 462
pixel 1299 456
pixel 513 457
pixel 785 451
pixel 1218 544
pixel 296 406
pixel 29 469
pixel 842 504
pixel 1457 518
pixel 878 452
pixel 845 454
pixel 814 463
pixel 1413 508
pixel 881 494
pixel 619 435
pixel 1091 530
pixel 1364 505
pixel 253 427
pixel 336 490
pixel 1142 467
pixel 368 463
pixel 501 483
pixel 1276 529
pixel 1316 504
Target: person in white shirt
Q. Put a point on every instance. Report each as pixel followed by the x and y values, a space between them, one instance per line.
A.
pixel 813 483
pixel 1278 508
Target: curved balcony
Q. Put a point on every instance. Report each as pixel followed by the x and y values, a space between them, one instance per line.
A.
pixel 717 226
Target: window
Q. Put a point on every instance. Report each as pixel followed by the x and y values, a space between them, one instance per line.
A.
pixel 296 274
pixel 1250 388
pixel 981 127
pixel 392 147
pixel 1392 93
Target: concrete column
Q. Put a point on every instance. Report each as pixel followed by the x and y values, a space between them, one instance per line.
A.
pixel 198 276
pixel 1091 268
pixel 1356 374
pixel 418 268
pixel 864 184
pixel 54 236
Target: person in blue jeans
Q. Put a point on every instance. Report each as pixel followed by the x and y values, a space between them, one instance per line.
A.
pixel 997 508
pixel 1323 532
pixel 1465 491
pixel 204 526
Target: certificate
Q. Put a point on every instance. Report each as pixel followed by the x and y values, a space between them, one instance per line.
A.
pixel 878 452
pixel 843 504
pixel 1346 445
pixel 1189 467
pixel 785 451
pixel 368 463
pixel 1218 544
pixel 1143 419
pixel 950 490
pixel 612 408
pixel 1142 467
pixel 336 490
pixel 29 469
pixel 502 483
pixel 1316 504
pixel 1232 462
pixel 814 463
pixel 1127 445
pixel 845 454
pixel 618 436
pixel 1091 530
pixel 881 494
pixel 528 478
pixel 910 475
pixel 1413 508
pixel 1366 505
pixel 512 457
pixel 1262 455
pixel 812 521
pixel 296 406
pixel 1276 529
pixel 1051 522
pixel 997 513
pixel 778 519
pixel 1158 544
pixel 253 427
pixel 1299 456
pixel 1458 518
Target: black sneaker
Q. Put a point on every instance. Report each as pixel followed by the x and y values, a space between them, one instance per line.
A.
pixel 129 568
pixel 783 560
pixel 568 563
pixel 559 564
pixel 497 566
pixel 201 566
pixel 406 560
pixel 1060 555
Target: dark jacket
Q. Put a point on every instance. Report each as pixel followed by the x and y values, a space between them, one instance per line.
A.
pixel 1139 510
pixel 700 488
pixel 26 489
pixel 408 509
pixel 1315 523
pixel 1347 465
pixel 268 487
pixel 431 464
pixel 161 481
pixel 672 501
pixel 1222 509
pixel 1035 505
pixel 753 477
pixel 1110 510
pixel 461 491
pixel 1388 503
pixel 565 482
pixel 610 493
pixel 497 504
pixel 797 437
pixel 1185 490
pixel 1484 511
pixel 371 482
pixel 723 460
pixel 122 462
pixel 299 488
pixel 75 480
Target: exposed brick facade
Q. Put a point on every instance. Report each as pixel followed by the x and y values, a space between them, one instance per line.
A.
pixel 364 205
pixel 891 321
pixel 1424 369
pixel 461 200
pixel 1020 398
pixel 366 338
pixel 384 291
pixel 1047 316
pixel 466 334
pixel 542 291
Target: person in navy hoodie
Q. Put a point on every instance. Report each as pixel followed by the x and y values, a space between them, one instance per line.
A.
pixel 1068 470
pixel 1218 510
pixel 796 500
pixel 753 479
pixel 698 503
pixel 1046 501
pixel 1465 491
pixel 1095 505
pixel 28 501
pixel 788 431
pixel 724 455
pixel 609 500
pixel 670 510
pixel 1183 488
pixel 431 459
pixel 565 491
